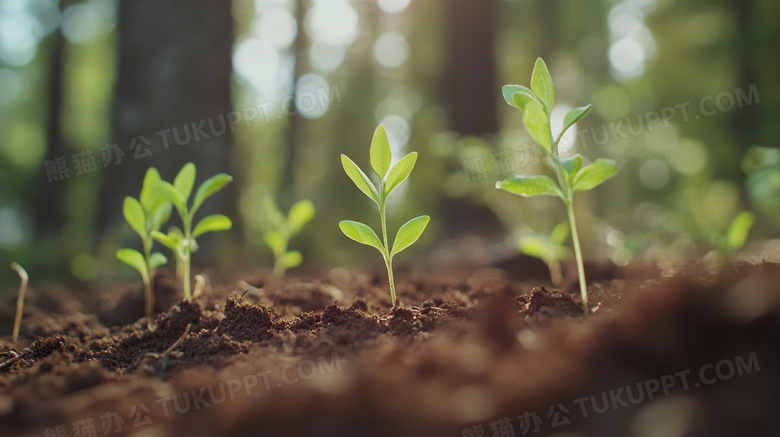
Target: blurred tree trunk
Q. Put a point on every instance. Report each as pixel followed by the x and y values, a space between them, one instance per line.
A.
pixel 49 203
pixel 294 121
pixel 172 98
pixel 470 77
pixel 744 119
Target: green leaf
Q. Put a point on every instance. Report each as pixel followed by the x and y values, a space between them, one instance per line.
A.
pixel 573 116
pixel 159 216
pixel 300 214
pixel 530 186
pixel 572 164
pixel 208 188
pixel 172 195
pixel 156 260
pixel 359 178
pixel 361 233
pixel 593 175
pixel 212 223
pixel 380 152
pixel 292 259
pixel 519 96
pixel 738 230
pixel 541 84
pixel 409 233
pixel 149 189
pixel 135 215
pixel 165 240
pixel 400 172
pixel 538 124
pixel 274 241
pixel 185 180
pixel 559 233
pixel 134 259
pixel 535 246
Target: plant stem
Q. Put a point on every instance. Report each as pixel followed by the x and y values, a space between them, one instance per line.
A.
pixel 388 257
pixel 578 255
pixel 19 300
pixel 555 272
pixel 185 268
pixel 148 294
pixel 149 283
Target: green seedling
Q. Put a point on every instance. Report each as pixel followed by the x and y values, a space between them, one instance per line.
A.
pixel 146 215
pixel 389 179
pixel 550 249
pixel 284 228
pixel 182 242
pixel 536 105
pixel 735 236
pixel 24 278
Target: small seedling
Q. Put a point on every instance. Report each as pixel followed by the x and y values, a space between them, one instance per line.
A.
pixel 146 215
pixel 536 105
pixel 284 228
pixel 735 236
pixel 550 249
pixel 389 179
pixel 183 242
pixel 19 300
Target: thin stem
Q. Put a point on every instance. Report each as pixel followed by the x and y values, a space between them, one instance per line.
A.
pixel 149 283
pixel 555 272
pixel 185 270
pixel 388 257
pixel 578 254
pixel 19 300
pixel 148 294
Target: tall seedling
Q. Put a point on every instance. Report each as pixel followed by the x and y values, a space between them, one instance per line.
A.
pixel 183 242
pixel 146 215
pixel 389 179
pixel 536 104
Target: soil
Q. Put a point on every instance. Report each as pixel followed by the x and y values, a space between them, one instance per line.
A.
pixel 491 351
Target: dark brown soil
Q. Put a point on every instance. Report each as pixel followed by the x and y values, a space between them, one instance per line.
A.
pixel 471 352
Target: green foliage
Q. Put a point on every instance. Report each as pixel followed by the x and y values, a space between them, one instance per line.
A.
pixel 536 104
pixel 549 248
pixel 146 215
pixel 389 178
pixel 736 235
pixel 282 229
pixel 182 242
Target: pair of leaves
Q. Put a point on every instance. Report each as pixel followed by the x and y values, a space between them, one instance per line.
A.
pixel 547 248
pixel 134 259
pixel 301 213
pixel 406 236
pixel 179 192
pixel 579 179
pixel 381 157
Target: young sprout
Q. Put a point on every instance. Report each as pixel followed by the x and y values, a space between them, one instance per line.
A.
pixel 19 300
pixel 183 242
pixel 284 228
pixel 389 179
pixel 146 215
pixel 550 249
pixel 736 235
pixel 536 105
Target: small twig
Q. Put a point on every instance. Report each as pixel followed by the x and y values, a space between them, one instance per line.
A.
pixel 163 357
pixel 19 300
pixel 200 282
pixel 11 361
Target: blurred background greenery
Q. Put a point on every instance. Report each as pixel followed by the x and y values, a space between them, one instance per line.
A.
pixel 94 92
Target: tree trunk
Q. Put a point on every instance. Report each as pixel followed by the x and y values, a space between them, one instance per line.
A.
pixel 172 100
pixel 470 78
